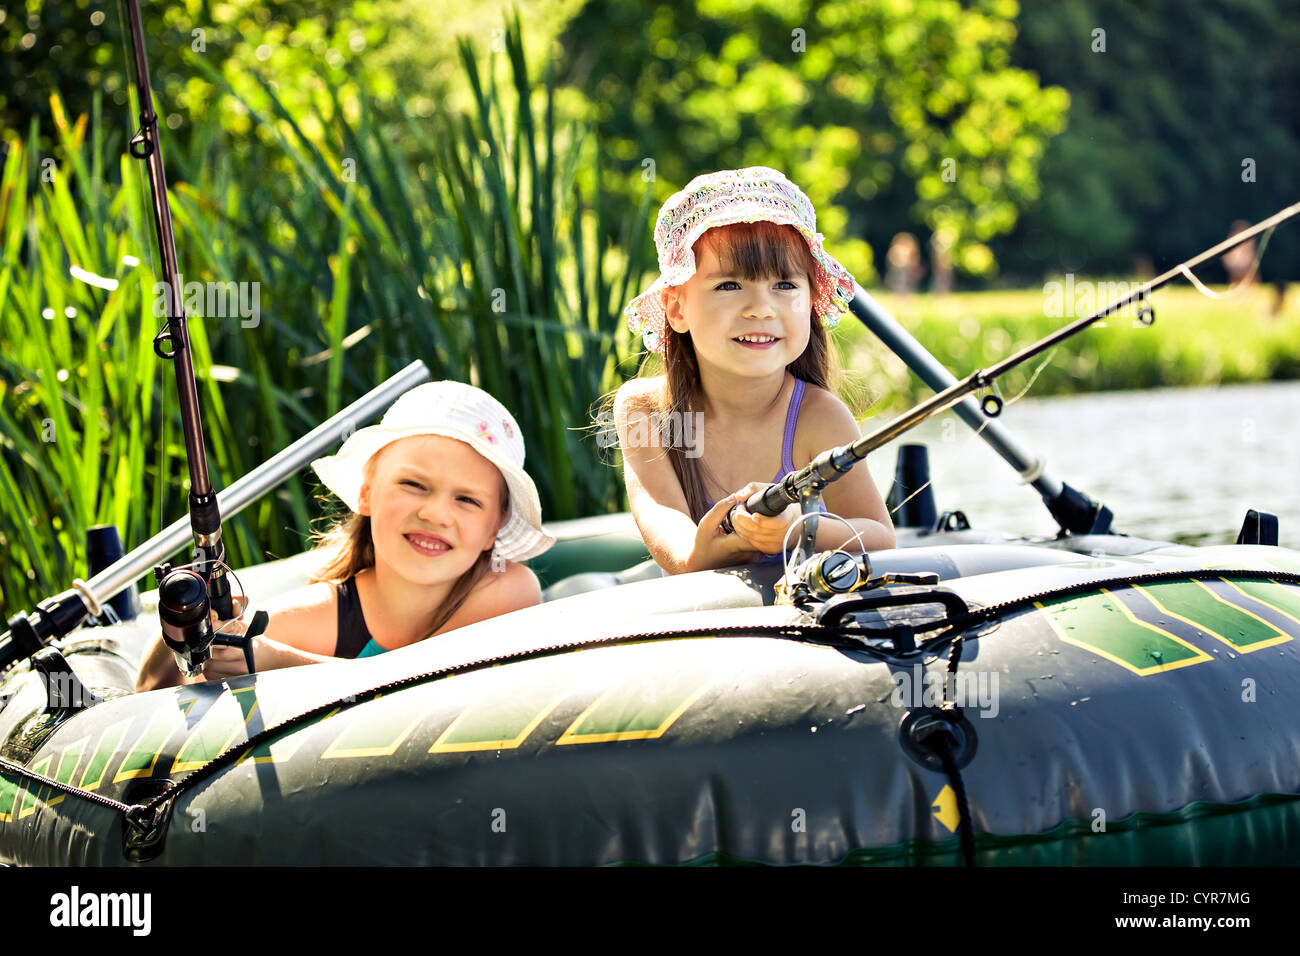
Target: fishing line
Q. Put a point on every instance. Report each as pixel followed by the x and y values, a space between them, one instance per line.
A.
pixel 785 541
pixel 984 424
pixel 1241 285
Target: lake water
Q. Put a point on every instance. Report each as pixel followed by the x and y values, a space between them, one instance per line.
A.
pixel 1173 464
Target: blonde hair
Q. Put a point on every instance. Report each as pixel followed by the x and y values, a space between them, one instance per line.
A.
pixel 349 548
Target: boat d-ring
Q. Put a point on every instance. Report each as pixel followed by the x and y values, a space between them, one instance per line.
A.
pixel 925 731
pixel 144 829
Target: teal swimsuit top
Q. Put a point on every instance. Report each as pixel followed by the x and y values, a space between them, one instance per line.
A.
pixel 371 649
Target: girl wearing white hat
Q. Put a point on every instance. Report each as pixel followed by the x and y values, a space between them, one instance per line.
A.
pixel 441 511
pixel 739 314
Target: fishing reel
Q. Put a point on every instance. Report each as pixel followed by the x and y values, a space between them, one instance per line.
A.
pixel 823 576
pixel 832 573
pixel 184 609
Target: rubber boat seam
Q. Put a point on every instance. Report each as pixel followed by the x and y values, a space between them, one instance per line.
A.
pixel 133 812
pixel 992 611
pixel 793 631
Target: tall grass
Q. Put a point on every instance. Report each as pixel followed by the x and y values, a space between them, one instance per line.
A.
pixel 1195 341
pixel 476 242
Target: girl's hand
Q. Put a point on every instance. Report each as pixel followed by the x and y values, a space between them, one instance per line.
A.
pixel 228 661
pixel 759 532
pixel 239 604
pixel 713 549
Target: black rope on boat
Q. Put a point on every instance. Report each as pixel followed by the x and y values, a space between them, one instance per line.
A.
pixel 951 711
pixel 965 828
pixel 992 612
pixel 19 770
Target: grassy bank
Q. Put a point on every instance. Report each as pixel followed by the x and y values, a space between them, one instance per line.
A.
pixel 1195 341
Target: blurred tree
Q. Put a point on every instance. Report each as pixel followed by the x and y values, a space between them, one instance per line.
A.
pixel 304 48
pixel 1184 117
pixel 891 116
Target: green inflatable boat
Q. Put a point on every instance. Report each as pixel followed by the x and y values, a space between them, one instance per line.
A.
pixel 1091 699
pixel 966 697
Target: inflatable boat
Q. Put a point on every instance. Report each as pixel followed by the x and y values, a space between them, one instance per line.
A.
pixel 966 697
pixel 1091 699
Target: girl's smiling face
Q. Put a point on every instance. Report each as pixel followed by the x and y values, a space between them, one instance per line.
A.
pixel 435 505
pixel 746 325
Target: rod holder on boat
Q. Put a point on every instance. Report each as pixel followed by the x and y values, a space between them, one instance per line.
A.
pixel 103 549
pixel 911 497
pixel 1260 527
pixel 64 691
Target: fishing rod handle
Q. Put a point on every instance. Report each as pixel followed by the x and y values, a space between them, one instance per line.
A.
pixel 770 502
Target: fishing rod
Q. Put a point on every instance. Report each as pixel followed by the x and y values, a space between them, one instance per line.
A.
pixel 1073 510
pixel 186 594
pixel 805 485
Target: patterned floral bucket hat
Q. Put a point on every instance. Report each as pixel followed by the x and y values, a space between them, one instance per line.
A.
pixel 718 199
pixel 465 413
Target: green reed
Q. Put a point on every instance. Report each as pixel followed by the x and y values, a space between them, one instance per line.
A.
pixel 475 241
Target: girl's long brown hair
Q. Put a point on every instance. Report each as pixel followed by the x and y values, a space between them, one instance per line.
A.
pixel 752 250
pixel 350 548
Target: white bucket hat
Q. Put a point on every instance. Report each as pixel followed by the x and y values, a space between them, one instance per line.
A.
pixel 720 199
pixel 465 413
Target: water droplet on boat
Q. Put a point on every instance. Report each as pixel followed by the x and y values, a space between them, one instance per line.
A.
pixel 814 730
pixel 854 710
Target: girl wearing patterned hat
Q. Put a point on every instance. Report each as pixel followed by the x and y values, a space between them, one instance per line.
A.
pixel 739 315
pixel 441 511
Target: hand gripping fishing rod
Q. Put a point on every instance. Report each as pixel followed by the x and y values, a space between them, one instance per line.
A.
pixel 805 485
pixel 185 594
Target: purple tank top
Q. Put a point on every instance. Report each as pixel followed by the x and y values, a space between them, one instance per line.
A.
pixel 787 448
pixel 787 442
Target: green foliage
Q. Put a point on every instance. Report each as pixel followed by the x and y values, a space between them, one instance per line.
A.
pixel 1160 124
pixel 474 240
pixel 859 103
pixel 394 49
